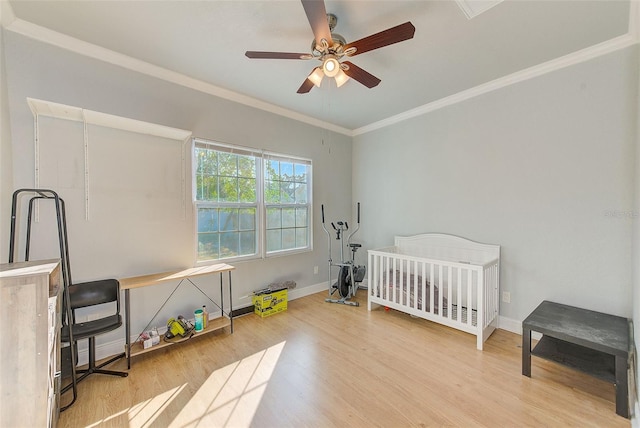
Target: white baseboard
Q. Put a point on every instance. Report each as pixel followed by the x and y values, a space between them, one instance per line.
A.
pixel 515 326
pixel 297 293
pixel 103 350
pixel 509 324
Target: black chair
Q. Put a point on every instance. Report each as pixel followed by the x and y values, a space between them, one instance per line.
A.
pixel 102 292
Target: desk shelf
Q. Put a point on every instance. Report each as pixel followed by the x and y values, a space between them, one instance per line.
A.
pixel 212 326
pixel 589 361
pixel 128 284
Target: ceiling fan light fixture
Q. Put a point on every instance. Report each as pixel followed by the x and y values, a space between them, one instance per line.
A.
pixel 316 76
pixel 330 66
pixel 341 78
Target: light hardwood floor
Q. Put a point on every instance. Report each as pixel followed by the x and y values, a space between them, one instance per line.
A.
pixel 326 365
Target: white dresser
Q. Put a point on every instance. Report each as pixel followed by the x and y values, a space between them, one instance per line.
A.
pixel 30 300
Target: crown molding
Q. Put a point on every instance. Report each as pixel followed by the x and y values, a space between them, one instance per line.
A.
pixel 90 50
pixel 9 21
pixel 577 57
pixel 473 8
pixel 6 13
pixel 634 19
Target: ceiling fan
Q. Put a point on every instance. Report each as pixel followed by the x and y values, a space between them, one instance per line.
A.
pixel 330 48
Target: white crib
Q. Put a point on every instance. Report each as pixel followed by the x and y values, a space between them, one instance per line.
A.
pixel 441 278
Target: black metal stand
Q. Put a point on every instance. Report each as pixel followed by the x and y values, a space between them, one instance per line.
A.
pixel 67 316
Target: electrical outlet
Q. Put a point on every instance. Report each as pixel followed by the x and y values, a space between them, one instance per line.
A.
pixel 506 297
pixel 315 270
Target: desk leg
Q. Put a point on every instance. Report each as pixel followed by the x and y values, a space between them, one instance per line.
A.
pixel 127 329
pixel 221 296
pixel 526 352
pixel 622 388
pixel 230 303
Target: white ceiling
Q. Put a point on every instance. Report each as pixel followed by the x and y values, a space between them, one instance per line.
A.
pixel 205 41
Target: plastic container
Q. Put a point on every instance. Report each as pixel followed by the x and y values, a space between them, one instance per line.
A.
pixel 199 320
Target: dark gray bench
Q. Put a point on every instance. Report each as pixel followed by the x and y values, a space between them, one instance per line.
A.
pixel 593 342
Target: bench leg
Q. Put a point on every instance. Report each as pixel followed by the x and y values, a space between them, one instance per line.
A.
pixel 622 388
pixel 526 352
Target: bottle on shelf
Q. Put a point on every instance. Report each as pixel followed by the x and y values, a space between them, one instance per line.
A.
pixel 205 316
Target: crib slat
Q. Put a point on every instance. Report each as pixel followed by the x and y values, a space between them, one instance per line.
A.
pixel 459 300
pixel 424 286
pixel 384 271
pixel 413 293
pixel 432 278
pixel 449 311
pixel 469 298
pixel 440 281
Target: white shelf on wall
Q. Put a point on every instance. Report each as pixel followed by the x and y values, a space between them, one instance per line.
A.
pixel 90 117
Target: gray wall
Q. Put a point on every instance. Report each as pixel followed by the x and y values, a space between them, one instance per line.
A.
pixel 545 168
pixel 44 72
pixel 6 169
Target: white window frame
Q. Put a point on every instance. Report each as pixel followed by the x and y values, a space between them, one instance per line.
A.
pixel 261 216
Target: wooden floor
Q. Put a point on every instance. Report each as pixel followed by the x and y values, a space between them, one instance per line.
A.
pixel 326 365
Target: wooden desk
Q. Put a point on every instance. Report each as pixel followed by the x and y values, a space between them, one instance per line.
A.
pixel 127 284
pixel 592 342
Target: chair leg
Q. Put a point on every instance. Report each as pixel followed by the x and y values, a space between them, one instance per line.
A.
pixel 73 348
pixel 98 369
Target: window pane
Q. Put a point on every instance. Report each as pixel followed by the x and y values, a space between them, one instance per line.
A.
pixel 246 166
pixel 288 239
pixel 207 189
pixel 272 170
pixel 286 171
pixel 228 219
pixel 288 217
pixel 227 164
pixel 274 240
pixel 286 192
pixel 247 243
pixel 248 219
pixel 229 244
pixel 247 189
pixel 208 246
pixel 207 220
pixel 272 192
pixel 207 161
pixel 301 193
pixel 228 189
pixel 300 173
pixel 301 237
pixel 274 218
pixel 301 217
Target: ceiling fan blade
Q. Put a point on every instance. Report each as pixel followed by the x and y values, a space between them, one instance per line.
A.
pixel 364 77
pixel 275 55
pixel 317 16
pixel 384 38
pixel 306 86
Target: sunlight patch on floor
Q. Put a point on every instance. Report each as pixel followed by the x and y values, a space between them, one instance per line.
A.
pixel 230 396
pixel 144 413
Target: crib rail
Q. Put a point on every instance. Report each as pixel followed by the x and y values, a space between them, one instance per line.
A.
pixel 454 293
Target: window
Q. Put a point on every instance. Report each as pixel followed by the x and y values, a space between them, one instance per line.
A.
pixel 250 204
pixel 286 198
